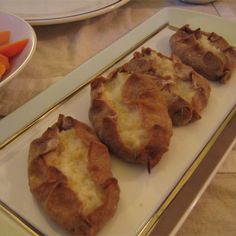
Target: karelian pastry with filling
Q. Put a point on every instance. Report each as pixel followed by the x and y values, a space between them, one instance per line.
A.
pixel 70 176
pixel 208 53
pixel 186 91
pixel 130 116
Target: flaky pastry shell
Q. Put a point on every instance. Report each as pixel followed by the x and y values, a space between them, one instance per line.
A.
pixel 208 53
pixel 186 91
pixel 70 176
pixel 130 116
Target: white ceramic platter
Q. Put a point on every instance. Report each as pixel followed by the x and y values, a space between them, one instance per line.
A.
pixel 143 195
pixel 198 1
pixel 19 29
pixel 45 12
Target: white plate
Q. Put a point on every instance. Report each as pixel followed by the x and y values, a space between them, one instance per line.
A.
pixel 46 12
pixel 19 29
pixel 143 196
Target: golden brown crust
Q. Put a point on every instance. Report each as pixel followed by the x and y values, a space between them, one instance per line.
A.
pixel 138 94
pixel 186 91
pixel 215 62
pixel 50 186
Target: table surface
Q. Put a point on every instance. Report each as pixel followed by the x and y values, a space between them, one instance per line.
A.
pixel 61 48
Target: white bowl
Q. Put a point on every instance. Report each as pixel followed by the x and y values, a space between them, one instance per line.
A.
pixel 19 29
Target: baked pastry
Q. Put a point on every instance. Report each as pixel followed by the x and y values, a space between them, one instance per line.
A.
pixel 208 53
pixel 130 116
pixel 70 176
pixel 186 91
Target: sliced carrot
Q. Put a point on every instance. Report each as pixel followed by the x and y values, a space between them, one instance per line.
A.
pixel 5 61
pixel 13 49
pixel 4 37
pixel 2 69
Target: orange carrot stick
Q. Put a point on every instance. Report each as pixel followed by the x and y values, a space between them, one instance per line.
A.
pixel 5 61
pixel 13 49
pixel 2 70
pixel 4 37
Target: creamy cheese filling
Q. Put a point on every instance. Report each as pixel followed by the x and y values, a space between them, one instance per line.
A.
pixel 184 90
pixel 165 67
pixel 128 120
pixel 72 161
pixel 207 45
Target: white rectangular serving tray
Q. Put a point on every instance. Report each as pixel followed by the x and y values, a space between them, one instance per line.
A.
pixel 144 196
